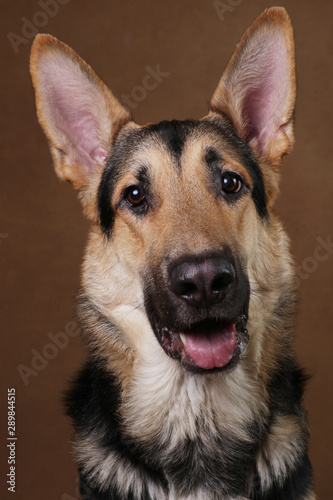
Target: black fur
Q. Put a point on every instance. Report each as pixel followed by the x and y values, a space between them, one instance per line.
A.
pixel 214 163
pixel 92 403
pixel 222 470
pixel 297 485
pixel 88 492
pixel 248 160
pixel 286 388
pixel 174 134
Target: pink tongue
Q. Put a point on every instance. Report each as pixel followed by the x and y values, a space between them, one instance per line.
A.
pixel 213 347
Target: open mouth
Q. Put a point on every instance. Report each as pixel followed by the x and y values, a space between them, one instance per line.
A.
pixel 209 345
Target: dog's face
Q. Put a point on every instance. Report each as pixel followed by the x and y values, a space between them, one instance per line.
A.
pixel 178 208
pixel 186 195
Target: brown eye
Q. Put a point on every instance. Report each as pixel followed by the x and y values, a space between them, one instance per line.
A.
pixel 231 183
pixel 134 196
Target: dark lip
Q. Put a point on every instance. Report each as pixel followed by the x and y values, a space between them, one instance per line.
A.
pixel 174 347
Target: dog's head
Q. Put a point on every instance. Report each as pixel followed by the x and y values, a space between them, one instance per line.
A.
pixel 180 210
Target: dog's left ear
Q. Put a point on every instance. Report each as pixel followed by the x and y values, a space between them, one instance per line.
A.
pixel 257 90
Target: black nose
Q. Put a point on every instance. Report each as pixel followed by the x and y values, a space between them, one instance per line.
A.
pixel 202 282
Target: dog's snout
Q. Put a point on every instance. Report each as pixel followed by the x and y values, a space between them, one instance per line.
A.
pixel 202 282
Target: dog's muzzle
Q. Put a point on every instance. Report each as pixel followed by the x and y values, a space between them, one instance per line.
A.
pixel 199 311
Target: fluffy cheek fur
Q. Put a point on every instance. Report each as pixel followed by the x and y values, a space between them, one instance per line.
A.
pixel 112 281
pixel 272 296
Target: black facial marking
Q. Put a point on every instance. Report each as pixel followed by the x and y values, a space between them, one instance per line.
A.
pixel 173 134
pixel 105 190
pixel 258 192
pixel 166 310
pixel 214 162
pixel 114 169
pixel 247 159
pixel 144 179
pixel 140 190
pixel 212 157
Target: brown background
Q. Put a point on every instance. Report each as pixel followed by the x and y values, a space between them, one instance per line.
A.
pixel 42 230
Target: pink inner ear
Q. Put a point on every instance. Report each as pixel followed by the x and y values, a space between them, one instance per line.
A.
pixel 75 107
pixel 265 86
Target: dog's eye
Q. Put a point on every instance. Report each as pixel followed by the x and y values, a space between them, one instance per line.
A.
pixel 231 183
pixel 134 196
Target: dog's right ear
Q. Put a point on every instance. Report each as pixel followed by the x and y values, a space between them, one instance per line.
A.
pixel 77 111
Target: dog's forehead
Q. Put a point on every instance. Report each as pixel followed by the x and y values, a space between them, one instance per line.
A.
pixel 174 138
pixel 167 151
pixel 186 147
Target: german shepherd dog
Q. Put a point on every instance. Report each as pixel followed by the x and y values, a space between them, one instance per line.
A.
pixel 190 390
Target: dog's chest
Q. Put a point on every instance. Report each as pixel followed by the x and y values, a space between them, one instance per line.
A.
pixel 198 430
pixel 162 399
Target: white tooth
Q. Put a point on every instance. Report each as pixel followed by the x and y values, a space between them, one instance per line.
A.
pixel 183 338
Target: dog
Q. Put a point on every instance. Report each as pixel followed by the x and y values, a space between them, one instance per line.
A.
pixel 190 390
